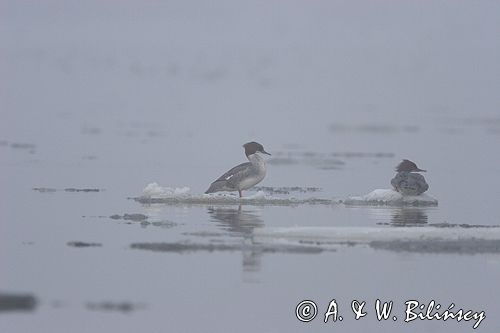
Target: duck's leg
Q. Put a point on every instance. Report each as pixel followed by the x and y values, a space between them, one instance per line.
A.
pixel 241 193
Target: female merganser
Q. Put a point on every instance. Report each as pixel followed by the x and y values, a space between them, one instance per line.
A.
pixel 407 181
pixel 245 175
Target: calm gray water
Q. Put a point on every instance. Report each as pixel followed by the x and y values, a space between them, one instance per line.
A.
pixel 113 96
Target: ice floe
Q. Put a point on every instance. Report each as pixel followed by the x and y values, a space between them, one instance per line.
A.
pixel 402 239
pixel 156 194
pixel 83 244
pixel 391 198
pixel 110 306
pixel 68 189
pixel 17 302
pixel 188 247
pixel 369 234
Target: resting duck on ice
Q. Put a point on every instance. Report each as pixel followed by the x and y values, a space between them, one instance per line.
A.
pixel 243 176
pixel 407 181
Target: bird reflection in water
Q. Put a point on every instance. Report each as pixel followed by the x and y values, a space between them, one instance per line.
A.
pixel 409 216
pixel 236 220
pixel 241 223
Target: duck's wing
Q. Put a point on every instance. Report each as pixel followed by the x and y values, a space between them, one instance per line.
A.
pixel 227 181
pixel 399 180
pixel 420 183
pixel 242 168
pixel 409 183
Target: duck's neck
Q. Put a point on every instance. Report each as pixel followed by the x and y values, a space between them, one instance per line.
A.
pixel 257 160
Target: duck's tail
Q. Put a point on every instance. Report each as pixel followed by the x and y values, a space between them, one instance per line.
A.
pixel 216 187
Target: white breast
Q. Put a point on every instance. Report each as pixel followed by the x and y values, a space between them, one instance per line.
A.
pixel 259 172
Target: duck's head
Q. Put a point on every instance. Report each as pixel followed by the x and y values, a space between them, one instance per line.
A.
pixel 409 166
pixel 254 147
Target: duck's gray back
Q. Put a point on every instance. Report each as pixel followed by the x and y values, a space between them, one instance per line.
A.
pixel 231 179
pixel 409 183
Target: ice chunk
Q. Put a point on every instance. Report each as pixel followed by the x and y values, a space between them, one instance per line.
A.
pixel 391 198
pixel 155 190
pixel 429 239
pixel 156 194
pixel 364 235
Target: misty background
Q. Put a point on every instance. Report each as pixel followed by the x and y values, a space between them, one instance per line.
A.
pixel 166 86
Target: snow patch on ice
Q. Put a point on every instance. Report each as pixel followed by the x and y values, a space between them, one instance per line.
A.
pixel 155 190
pixel 391 198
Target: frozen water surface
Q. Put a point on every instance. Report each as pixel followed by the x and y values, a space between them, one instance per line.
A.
pixel 98 100
pixel 391 198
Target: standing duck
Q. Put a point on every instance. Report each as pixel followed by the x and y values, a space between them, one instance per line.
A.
pixel 245 175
